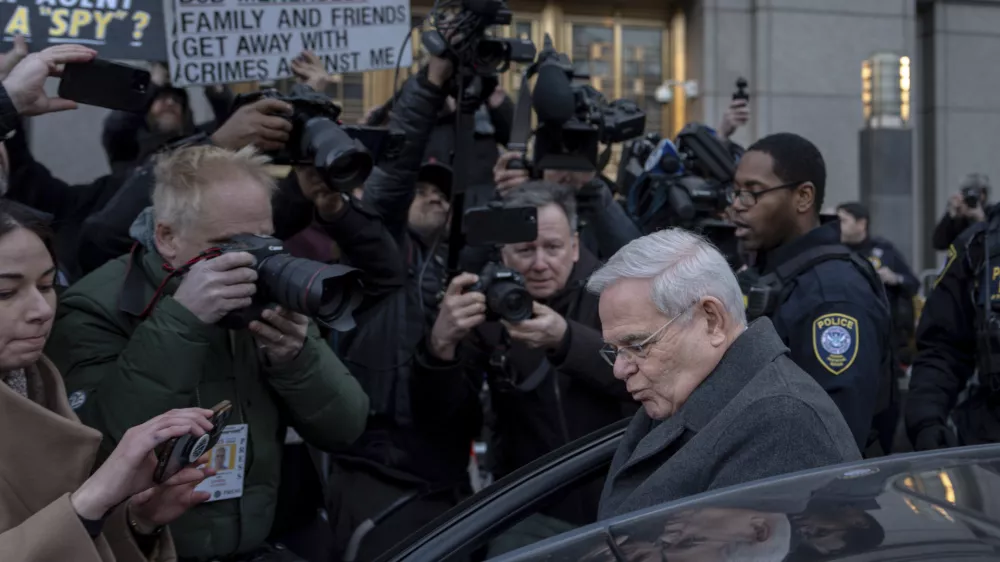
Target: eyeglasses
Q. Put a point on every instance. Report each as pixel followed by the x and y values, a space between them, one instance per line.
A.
pixel 749 198
pixel 632 353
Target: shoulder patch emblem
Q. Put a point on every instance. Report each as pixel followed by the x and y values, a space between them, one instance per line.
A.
pixel 77 399
pixel 875 261
pixel 878 252
pixel 835 341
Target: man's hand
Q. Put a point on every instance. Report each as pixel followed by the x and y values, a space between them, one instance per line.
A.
pixel 736 116
pixel 956 206
pixel 129 469
pixel 977 214
pixel 281 334
pixel 497 98
pixel 258 124
pixel 545 329
pixel 310 71
pixel 505 179
pixel 162 504
pixel 889 277
pixel 25 82
pixel 328 203
pixel 439 71
pixel 13 56
pixel 214 288
pixel 459 313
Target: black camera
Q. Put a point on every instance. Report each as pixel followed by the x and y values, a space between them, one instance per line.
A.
pixel 574 119
pixel 971 195
pixel 343 155
pixel 465 22
pixel 686 185
pixel 329 293
pixel 506 296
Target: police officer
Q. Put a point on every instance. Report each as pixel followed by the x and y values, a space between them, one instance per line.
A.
pixel 901 285
pixel 959 332
pixel 825 301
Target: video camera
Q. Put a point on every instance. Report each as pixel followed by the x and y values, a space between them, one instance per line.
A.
pixel 468 21
pixel 574 119
pixel 687 184
pixel 343 155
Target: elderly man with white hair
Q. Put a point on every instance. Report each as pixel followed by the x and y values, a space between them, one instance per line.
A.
pixel 722 402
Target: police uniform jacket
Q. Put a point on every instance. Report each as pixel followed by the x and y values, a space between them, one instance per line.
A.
pixel 45 455
pixel 122 369
pixel 948 347
pixel 837 328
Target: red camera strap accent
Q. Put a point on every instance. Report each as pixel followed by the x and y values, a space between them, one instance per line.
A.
pixel 175 272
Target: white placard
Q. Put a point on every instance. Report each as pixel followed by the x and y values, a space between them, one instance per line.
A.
pixel 226 41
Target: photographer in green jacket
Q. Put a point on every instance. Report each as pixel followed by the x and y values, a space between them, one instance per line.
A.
pixel 141 335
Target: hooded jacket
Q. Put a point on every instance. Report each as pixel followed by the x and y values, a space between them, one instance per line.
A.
pixel 129 368
pixel 45 455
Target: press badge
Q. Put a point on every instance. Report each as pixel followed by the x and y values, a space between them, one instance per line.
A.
pixel 229 459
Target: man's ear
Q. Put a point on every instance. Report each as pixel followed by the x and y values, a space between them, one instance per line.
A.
pixel 716 320
pixel 166 242
pixel 805 197
pixel 576 247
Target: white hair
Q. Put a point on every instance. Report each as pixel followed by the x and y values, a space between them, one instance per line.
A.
pixel 774 549
pixel 683 268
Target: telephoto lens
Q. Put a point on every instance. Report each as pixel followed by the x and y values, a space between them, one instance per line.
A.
pixel 327 292
pixel 344 162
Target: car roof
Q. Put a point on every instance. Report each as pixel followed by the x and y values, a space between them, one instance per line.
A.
pixel 940 505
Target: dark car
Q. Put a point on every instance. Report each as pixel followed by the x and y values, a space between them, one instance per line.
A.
pixel 941 505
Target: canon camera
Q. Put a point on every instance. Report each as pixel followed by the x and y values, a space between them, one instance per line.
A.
pixel 328 293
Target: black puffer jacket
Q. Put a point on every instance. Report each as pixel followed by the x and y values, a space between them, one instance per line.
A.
pixel 380 352
pixel 536 411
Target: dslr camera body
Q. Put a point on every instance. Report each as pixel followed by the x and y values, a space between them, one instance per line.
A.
pixel 495 225
pixel 328 293
pixel 343 155
pixel 506 296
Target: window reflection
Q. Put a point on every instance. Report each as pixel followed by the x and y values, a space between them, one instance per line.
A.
pixel 593 55
pixel 642 70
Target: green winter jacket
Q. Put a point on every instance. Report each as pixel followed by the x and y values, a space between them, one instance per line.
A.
pixel 126 370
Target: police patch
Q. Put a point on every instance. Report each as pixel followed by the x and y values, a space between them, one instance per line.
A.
pixel 77 399
pixel 835 341
pixel 876 262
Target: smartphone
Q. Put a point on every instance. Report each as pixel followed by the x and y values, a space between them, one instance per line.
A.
pixel 106 84
pixel 187 449
pixel 741 92
pixel 498 225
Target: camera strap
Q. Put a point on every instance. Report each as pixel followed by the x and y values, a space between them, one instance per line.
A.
pixel 131 297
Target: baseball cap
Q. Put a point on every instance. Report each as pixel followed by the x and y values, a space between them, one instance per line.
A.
pixel 436 173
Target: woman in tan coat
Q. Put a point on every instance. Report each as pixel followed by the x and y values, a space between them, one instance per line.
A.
pixel 51 508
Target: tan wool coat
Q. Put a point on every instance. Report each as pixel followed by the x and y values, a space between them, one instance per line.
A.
pixel 45 455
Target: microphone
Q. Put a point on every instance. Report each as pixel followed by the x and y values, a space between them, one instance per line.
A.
pixel 553 95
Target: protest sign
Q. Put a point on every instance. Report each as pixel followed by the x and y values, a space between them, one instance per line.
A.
pixel 225 41
pixel 116 29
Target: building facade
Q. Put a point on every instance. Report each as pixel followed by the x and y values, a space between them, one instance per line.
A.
pixel 802 58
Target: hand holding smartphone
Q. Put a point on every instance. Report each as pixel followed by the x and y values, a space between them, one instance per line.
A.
pixel 184 451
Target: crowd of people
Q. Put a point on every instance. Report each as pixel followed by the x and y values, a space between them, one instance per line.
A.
pixel 117 299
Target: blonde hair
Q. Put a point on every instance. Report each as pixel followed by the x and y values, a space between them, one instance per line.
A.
pixel 183 175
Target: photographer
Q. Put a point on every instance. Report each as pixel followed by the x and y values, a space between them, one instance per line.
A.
pixel 605 226
pixel 49 508
pixel 547 386
pixel 398 456
pixel 965 209
pixel 143 334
